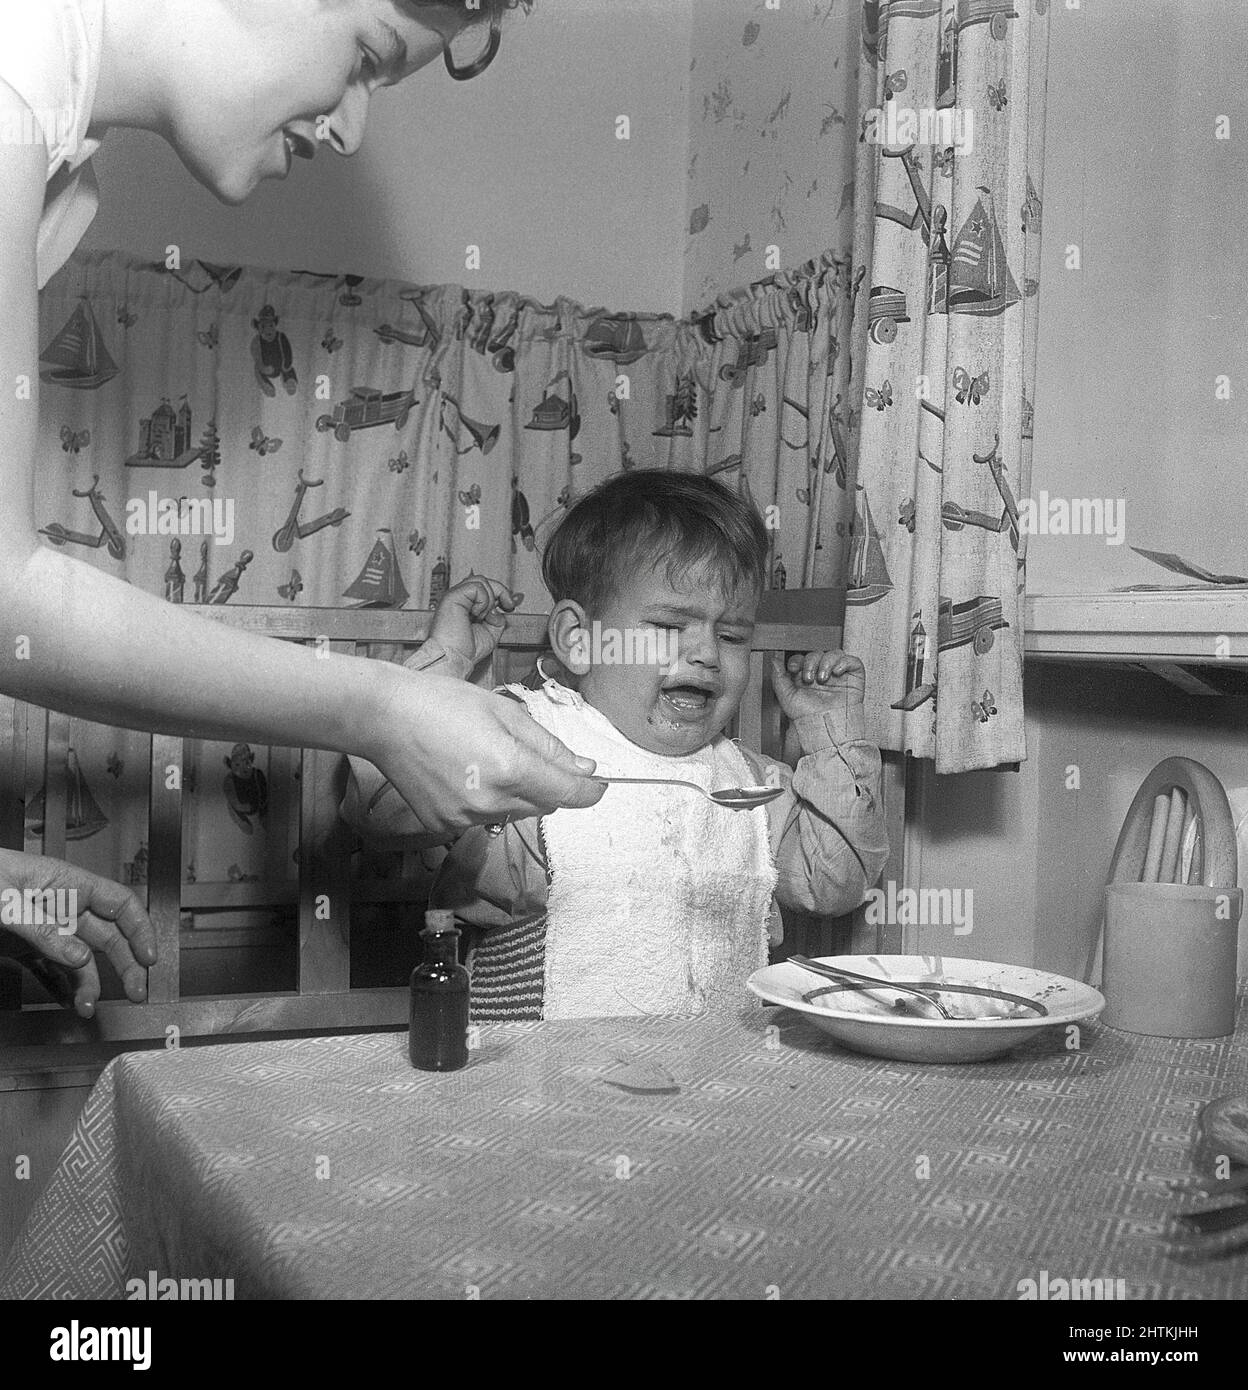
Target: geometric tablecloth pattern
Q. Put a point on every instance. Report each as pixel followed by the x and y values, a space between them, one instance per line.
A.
pixel 774 1165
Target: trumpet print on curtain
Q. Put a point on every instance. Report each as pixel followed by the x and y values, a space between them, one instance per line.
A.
pixel 944 369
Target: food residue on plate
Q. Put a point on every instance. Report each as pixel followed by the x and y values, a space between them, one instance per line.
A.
pixel 962 1008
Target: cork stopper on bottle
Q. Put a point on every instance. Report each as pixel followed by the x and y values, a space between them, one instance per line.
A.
pixel 439 921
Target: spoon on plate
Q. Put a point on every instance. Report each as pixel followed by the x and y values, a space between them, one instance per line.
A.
pixel 851 979
pixel 734 798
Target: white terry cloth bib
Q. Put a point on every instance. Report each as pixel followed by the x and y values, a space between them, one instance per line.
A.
pixel 659 899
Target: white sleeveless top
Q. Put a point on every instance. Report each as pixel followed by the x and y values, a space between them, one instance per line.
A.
pixel 659 900
pixel 50 55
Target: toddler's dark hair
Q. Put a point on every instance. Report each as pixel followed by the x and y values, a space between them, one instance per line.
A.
pixel 644 518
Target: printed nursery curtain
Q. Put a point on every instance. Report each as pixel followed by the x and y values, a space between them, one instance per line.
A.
pixel 943 369
pixel 378 441
pixel 370 442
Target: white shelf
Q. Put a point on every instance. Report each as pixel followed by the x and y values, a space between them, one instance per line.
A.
pixel 1191 627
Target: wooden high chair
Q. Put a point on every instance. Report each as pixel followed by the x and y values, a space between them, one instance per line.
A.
pixel 323 999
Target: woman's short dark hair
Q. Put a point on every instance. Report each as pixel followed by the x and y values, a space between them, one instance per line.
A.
pixel 644 518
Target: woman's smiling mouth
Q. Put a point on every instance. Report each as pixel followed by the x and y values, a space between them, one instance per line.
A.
pixel 297 145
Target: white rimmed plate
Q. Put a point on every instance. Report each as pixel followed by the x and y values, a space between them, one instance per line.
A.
pixel 870 1022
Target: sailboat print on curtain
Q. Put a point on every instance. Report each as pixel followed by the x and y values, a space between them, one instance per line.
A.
pixel 83 817
pixel 869 579
pixel 379 584
pixel 979 278
pixel 78 356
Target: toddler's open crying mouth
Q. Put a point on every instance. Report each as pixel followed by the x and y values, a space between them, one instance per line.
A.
pixel 687 699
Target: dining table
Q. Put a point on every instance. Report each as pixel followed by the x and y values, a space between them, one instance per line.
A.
pixel 737 1155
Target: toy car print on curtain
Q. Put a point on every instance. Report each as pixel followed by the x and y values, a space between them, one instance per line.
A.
pixel 944 368
pixel 291 438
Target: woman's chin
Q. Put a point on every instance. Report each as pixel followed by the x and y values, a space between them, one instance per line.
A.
pixel 234 189
pixel 229 186
pixel 232 197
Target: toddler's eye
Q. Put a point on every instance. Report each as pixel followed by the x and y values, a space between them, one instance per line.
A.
pixel 370 67
pixel 733 640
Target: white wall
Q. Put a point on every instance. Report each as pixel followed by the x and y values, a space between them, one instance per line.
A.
pixel 1130 344
pixel 772 131
pixel 522 161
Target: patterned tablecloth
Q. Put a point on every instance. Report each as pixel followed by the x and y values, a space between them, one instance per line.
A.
pixel 782 1166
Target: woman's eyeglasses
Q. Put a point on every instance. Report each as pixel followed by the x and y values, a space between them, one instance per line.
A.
pixel 463 55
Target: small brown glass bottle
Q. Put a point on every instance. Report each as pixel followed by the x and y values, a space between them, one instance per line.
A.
pixel 438 1035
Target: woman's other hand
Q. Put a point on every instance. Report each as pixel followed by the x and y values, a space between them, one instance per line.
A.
pixel 460 756
pixel 104 917
pixel 471 617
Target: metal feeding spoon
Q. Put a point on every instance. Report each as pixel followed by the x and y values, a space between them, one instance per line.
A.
pixel 734 798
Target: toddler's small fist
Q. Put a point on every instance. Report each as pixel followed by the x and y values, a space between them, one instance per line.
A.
pixel 818 681
pixel 471 616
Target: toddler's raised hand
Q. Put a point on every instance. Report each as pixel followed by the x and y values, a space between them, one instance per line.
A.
pixel 470 617
pixel 818 681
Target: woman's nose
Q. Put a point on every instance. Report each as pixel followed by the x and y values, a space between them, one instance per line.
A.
pixel 346 122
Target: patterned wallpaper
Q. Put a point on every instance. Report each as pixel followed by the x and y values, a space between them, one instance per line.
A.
pixel 773 122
